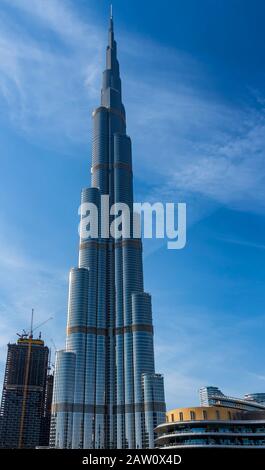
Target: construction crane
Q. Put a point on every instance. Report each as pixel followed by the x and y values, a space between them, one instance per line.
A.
pixel 26 334
pixel 54 345
pixel 29 337
pixel 41 324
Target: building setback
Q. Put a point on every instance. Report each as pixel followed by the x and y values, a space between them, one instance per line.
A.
pixel 23 398
pixel 106 391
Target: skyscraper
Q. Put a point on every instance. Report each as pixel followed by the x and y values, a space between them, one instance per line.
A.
pixel 23 400
pixel 106 391
pixel 207 393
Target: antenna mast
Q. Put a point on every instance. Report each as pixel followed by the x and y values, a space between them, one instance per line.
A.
pixel 31 324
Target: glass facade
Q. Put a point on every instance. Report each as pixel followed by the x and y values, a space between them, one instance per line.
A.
pixel 63 400
pixel 256 397
pixel 116 399
pixel 235 433
pixel 213 396
pixel 208 393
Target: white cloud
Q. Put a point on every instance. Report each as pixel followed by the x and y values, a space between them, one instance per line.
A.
pixel 185 136
pixel 25 284
pixel 257 246
pixel 58 17
pixel 195 144
pixel 46 89
pixel 195 348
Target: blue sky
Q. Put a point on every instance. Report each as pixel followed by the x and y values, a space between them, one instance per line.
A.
pixel 193 85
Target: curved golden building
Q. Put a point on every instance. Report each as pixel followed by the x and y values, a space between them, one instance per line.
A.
pixel 211 426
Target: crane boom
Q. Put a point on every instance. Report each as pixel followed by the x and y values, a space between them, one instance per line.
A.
pixel 43 323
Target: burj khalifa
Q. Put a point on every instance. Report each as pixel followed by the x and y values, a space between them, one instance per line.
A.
pixel 106 392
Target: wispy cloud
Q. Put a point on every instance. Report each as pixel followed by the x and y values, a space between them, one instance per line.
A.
pixel 257 376
pixel 26 283
pixel 47 87
pixel 257 246
pixel 197 348
pixel 199 144
pixel 232 172
pixel 213 149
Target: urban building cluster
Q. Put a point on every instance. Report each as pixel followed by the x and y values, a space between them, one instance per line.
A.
pixel 105 391
pixel 220 421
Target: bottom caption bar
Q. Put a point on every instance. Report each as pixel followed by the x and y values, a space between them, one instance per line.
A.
pixel 208 457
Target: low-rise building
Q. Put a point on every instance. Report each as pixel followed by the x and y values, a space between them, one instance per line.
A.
pixel 211 426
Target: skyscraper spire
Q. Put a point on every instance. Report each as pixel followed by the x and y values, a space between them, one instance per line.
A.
pixel 106 392
pixel 111 28
pixel 111 87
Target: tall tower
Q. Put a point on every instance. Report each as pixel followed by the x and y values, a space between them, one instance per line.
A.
pixel 23 399
pixel 106 392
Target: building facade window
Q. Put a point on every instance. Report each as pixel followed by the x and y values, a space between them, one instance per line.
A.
pixel 192 415
pixel 204 412
pixel 181 416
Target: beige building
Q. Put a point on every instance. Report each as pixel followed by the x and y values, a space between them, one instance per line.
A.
pixel 211 426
